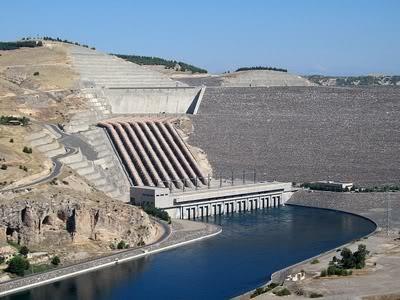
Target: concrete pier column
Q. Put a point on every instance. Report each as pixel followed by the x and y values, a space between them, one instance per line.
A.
pixel 194 212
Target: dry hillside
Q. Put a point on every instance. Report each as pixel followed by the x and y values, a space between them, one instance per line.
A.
pixel 38 83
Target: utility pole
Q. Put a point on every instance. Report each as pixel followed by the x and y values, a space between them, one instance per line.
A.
pixel 387 213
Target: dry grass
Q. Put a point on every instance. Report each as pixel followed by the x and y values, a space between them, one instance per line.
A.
pixel 13 157
pixel 50 61
pixel 48 96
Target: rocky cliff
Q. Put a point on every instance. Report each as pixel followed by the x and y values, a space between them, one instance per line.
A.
pixel 49 218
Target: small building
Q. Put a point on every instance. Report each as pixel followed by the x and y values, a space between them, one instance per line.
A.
pixel 334 186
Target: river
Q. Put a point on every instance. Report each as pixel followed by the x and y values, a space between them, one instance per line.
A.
pixel 250 248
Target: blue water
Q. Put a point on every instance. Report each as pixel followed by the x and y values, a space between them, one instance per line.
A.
pixel 251 247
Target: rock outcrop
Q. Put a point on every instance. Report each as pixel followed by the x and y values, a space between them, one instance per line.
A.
pixel 49 219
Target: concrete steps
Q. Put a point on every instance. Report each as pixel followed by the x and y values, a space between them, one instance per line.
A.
pixel 99 109
pixel 45 142
pixel 111 71
pixel 108 175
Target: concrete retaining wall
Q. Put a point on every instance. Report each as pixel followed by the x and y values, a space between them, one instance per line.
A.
pixel 157 100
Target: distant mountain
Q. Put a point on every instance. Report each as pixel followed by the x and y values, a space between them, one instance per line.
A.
pixel 377 80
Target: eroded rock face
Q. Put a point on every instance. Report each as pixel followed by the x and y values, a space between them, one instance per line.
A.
pixel 51 219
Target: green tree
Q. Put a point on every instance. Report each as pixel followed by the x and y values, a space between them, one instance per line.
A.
pixel 347 260
pixel 17 265
pixel 360 255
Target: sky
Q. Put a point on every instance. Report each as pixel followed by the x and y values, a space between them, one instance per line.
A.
pixel 341 37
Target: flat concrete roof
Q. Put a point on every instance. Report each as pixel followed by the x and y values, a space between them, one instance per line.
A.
pixel 229 191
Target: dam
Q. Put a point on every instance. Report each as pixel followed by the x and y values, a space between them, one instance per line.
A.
pixel 164 173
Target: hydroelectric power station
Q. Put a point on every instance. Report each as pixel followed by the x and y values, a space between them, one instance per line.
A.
pixel 163 172
pixel 132 149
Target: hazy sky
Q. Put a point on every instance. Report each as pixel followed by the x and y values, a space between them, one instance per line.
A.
pixel 341 37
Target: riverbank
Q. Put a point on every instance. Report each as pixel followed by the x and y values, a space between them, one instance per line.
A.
pixel 181 232
pixel 380 279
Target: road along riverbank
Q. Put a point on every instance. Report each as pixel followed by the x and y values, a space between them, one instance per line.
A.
pixel 181 232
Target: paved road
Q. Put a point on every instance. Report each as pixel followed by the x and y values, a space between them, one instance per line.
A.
pixel 71 144
pixel 181 232
pixel 55 171
pixel 75 141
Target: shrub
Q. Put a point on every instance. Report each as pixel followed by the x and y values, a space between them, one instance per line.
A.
pixel 36 74
pixel 19 44
pixel 122 245
pixel 156 212
pixel 335 270
pixel 55 261
pixel 17 265
pixel 316 295
pixel 315 261
pixel 11 120
pixel 4 167
pixel 282 292
pixel 2 259
pixel 272 285
pixel 257 292
pixel 11 140
pixel 27 150
pixel 24 251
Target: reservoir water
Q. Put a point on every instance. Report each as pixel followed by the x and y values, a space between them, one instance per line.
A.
pixel 250 248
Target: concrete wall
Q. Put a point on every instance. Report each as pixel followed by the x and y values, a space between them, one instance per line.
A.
pixel 155 100
pixel 159 197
